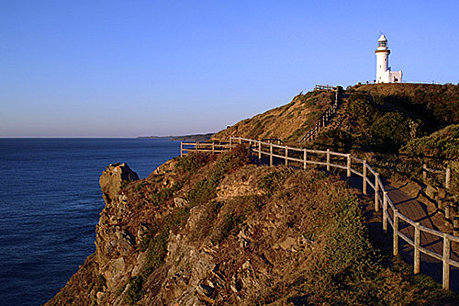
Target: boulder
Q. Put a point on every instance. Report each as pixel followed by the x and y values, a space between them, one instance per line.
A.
pixel 112 179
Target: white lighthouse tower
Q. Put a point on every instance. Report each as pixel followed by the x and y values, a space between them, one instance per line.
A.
pixel 383 72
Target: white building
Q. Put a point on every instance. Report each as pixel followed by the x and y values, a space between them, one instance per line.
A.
pixel 383 73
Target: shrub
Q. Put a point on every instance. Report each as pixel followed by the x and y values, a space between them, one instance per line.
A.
pixel 390 132
pixel 443 144
pixel 231 222
pixel 336 140
pixel 362 110
pixel 165 194
pixel 134 292
pixel 192 161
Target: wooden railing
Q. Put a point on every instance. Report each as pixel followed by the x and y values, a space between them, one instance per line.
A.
pixel 325 119
pixel 370 178
pixel 211 147
pixel 325 87
pixel 446 172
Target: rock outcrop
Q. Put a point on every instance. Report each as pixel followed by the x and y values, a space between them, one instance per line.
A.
pixel 113 177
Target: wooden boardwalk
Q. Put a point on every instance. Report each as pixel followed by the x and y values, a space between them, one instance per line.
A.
pixel 417 211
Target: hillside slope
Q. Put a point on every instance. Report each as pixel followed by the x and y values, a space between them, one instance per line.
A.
pixel 376 117
pixel 221 230
pixel 289 122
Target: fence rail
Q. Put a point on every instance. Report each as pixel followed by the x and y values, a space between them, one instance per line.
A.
pixel 390 215
pixel 446 172
pixel 326 117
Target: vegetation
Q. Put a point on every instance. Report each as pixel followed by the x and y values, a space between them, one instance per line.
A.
pixel 443 144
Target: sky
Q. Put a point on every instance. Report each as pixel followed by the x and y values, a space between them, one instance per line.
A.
pixel 135 68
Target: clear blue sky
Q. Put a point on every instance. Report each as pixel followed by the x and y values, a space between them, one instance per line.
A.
pixel 129 68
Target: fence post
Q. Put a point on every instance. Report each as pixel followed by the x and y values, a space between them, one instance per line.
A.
pixel 417 244
pixel 364 187
pixel 376 191
pixel 270 154
pixel 231 143
pixel 213 147
pixel 349 165
pixel 181 148
pixel 328 159
pixel 446 254
pixel 447 214
pixel 448 178
pixel 240 140
pixel 259 150
pixel 384 220
pixel 424 172
pixel 395 252
pixel 286 156
pixel 305 158
pixel 196 146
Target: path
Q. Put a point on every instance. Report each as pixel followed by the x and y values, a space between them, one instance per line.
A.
pixel 417 211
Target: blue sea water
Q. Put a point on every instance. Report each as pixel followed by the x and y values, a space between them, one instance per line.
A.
pixel 50 202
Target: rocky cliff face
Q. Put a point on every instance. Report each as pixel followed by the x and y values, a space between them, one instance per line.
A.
pixel 222 230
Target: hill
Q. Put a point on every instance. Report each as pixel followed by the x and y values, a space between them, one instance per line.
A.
pixel 289 122
pixel 208 229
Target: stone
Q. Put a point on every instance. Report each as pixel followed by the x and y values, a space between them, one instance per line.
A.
pixel 112 179
pixel 180 202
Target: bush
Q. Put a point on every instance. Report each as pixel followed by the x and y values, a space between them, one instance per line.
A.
pixel 390 132
pixel 192 161
pixel 231 222
pixel 443 144
pixel 165 194
pixel 335 140
pixel 134 292
pixel 362 110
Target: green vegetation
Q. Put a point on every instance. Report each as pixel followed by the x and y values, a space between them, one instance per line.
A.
pixel 165 194
pixel 192 161
pixel 389 132
pixel 134 292
pixel 443 144
pixel 231 223
pixel 205 190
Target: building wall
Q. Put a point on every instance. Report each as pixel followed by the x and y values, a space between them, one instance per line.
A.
pixel 382 63
pixel 395 76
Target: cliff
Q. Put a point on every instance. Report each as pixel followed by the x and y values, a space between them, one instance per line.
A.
pixel 205 229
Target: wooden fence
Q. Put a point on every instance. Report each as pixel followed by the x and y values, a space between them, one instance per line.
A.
pixel 325 87
pixel 370 178
pixel 210 147
pixel 446 172
pixel 325 119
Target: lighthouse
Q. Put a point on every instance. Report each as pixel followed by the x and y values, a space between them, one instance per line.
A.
pixel 383 71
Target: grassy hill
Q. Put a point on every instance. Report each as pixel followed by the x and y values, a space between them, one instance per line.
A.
pixel 289 122
pixel 377 117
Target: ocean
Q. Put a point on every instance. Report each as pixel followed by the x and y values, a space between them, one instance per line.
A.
pixel 50 202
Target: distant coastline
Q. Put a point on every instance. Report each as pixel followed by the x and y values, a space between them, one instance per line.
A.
pixel 195 137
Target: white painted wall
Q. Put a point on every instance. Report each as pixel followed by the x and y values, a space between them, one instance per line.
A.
pixel 383 73
pixel 382 63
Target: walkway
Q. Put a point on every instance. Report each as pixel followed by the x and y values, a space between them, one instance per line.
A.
pixel 417 211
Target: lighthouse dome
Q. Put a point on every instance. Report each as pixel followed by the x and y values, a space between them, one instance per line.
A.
pixel 382 38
